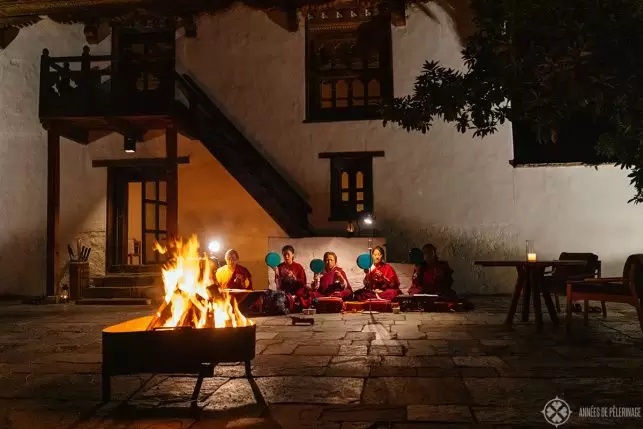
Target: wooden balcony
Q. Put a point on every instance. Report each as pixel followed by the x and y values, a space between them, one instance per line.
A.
pixel 87 93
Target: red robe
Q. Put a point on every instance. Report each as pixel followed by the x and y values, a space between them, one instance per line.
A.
pixel 381 277
pixel 334 283
pixel 432 280
pixel 240 278
pixel 292 280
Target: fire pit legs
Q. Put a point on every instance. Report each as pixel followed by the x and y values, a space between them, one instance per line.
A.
pixel 207 371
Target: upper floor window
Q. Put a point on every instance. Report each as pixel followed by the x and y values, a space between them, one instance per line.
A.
pixel 348 62
pixel 351 184
pixel 573 143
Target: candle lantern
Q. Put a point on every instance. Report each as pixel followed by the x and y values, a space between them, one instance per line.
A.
pixel 531 251
pixel 64 294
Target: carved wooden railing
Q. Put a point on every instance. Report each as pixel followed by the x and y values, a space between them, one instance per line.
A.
pixel 105 85
pixel 205 121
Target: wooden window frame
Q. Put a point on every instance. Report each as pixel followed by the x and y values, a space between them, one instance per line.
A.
pixel 350 163
pixel 380 19
pixel 157 231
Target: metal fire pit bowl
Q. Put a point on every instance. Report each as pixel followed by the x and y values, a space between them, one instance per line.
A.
pixel 128 348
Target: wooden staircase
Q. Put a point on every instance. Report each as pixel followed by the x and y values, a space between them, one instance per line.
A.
pixel 202 119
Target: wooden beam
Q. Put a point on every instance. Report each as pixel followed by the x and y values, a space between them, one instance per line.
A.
pixel 138 162
pixel 53 209
pixel 171 153
pixel 73 133
pixel 126 128
pixel 372 154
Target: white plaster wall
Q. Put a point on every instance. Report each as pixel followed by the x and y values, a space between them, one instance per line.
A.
pixel 23 162
pixel 307 249
pixel 444 187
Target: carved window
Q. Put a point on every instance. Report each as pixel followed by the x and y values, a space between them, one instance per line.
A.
pixel 351 184
pixel 348 62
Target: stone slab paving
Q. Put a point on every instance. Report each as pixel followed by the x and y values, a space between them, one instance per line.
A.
pixel 350 371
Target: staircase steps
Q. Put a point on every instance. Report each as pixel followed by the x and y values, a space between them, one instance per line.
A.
pixel 124 289
pixel 128 280
pixel 113 301
pixel 145 292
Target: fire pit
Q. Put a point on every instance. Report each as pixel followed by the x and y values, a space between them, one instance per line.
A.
pixel 195 328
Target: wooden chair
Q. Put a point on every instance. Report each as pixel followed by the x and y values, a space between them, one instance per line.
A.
pixel 626 289
pixel 561 274
pixel 135 252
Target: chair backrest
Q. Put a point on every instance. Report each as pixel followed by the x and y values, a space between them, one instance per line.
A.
pixel 633 272
pixel 589 270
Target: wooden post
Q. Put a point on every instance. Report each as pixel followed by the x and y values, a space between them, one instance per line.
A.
pixel 171 153
pixel 53 208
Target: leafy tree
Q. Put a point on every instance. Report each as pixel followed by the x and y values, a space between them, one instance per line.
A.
pixel 543 62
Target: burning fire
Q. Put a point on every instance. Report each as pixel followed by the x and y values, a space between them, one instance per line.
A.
pixel 192 295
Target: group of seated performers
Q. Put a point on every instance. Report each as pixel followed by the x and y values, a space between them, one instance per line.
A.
pixel 293 293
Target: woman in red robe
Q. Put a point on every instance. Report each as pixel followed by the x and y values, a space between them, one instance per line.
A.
pixel 232 275
pixel 290 278
pixel 432 276
pixel 380 282
pixel 333 282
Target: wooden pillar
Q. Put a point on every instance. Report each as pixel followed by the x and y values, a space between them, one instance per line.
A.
pixel 53 209
pixel 171 153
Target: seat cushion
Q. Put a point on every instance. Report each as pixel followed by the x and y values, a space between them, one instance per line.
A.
pixel 606 288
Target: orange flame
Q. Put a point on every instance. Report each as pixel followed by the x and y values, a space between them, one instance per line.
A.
pixel 187 276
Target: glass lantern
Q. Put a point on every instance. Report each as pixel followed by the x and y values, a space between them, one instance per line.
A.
pixel 530 251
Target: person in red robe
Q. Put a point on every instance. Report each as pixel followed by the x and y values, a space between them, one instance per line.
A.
pixel 381 281
pixel 333 282
pixel 432 276
pixel 232 275
pixel 290 278
pixel 435 277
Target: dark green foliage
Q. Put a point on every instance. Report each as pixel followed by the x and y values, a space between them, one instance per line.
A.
pixel 554 59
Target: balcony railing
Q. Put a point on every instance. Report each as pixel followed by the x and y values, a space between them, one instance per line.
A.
pixel 105 85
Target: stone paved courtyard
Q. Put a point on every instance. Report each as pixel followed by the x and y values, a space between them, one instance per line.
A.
pixel 347 371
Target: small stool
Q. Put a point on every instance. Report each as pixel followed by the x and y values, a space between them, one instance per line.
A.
pixel 302 320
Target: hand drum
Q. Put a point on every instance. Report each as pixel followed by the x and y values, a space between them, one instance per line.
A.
pixel 273 259
pixel 364 261
pixel 317 266
pixel 416 256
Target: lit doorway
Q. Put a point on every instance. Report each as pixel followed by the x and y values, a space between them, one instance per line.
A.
pixel 136 218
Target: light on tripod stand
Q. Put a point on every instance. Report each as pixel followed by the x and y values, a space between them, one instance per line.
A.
pixel 214 246
pixel 368 219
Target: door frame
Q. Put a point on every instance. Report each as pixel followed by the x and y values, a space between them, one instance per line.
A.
pixel 116 236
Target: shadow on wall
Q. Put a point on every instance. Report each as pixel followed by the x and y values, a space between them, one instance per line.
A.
pixel 461 248
pixel 23 264
pixel 459 12
pixel 248 135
